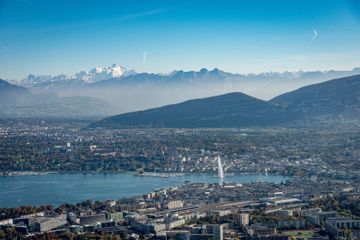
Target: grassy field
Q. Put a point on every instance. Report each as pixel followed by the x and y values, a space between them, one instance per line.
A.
pixel 299 233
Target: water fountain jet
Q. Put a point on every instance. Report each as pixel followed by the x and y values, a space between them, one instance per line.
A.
pixel 220 168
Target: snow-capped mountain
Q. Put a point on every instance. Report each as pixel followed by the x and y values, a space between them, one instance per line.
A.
pixel 94 75
pixel 115 75
pixel 100 73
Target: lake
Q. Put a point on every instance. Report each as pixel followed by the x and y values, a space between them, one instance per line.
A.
pixel 58 188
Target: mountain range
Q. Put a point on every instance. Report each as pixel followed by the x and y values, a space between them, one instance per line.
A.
pixel 118 75
pixel 331 101
pixel 111 90
pixel 127 90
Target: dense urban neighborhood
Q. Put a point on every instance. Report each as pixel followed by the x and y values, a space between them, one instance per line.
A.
pixel 320 200
pixel 56 145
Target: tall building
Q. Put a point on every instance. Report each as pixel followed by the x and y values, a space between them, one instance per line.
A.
pixel 243 219
pixel 218 232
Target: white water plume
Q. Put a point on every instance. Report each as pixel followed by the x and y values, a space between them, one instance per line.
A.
pixel 220 168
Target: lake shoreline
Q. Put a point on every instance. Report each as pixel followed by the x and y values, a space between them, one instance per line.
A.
pixel 148 174
pixel 58 188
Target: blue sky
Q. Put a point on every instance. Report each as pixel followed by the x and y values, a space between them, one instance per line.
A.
pixel 244 36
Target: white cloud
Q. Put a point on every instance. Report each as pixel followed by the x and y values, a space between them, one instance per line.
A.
pixel 144 57
pixel 315 35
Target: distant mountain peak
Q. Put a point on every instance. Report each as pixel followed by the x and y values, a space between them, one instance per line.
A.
pixel 93 75
pixel 203 70
pixel 101 73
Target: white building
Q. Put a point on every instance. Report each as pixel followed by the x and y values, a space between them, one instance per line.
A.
pixel 244 219
pixel 174 204
pixel 44 224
